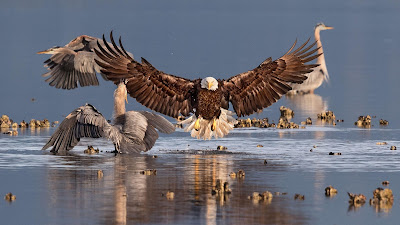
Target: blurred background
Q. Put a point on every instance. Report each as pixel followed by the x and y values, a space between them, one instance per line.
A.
pixel 204 38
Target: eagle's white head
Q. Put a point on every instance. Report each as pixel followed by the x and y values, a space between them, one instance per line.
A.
pixel 209 83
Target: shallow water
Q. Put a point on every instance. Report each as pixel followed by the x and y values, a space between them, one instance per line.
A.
pixel 66 189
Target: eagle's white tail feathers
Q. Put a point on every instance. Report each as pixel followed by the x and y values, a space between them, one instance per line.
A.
pixel 224 124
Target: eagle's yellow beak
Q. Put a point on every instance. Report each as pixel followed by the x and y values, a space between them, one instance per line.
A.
pixel 210 84
pixel 197 124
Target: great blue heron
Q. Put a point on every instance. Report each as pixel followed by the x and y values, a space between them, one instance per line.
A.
pixel 131 132
pixel 207 99
pixel 73 63
pixel 319 73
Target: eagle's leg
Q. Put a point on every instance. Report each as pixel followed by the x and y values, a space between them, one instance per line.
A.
pixel 197 124
pixel 214 124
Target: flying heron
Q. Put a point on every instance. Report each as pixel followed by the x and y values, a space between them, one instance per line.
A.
pixel 73 63
pixel 131 132
pixel 319 73
pixel 206 100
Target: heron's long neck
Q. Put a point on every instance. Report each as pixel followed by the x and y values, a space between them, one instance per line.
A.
pixel 119 104
pixel 321 58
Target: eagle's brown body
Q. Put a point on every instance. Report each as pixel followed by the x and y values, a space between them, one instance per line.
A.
pixel 207 99
pixel 208 103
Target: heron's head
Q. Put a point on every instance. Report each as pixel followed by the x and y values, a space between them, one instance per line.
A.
pixel 209 83
pixel 121 92
pixel 322 26
pixel 50 51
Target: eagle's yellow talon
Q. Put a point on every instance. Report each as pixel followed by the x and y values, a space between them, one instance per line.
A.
pixel 214 125
pixel 197 125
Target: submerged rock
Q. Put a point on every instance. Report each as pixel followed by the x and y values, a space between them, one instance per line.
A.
pixel 383 122
pixel 91 150
pixel 381 143
pixel 259 146
pixel 327 116
pixel 149 172
pixel 382 199
pixel 393 147
pixel 265 197
pixel 23 124
pixel 386 182
pixel 220 147
pixel 363 121
pixel 221 188
pixel 239 174
pixel 356 200
pixel 330 191
pixel 286 112
pixel 299 197
pixel 170 195
pixel 260 123
pixel 5 121
pixel 10 197
pixel 100 174
pixel 335 153
pixel 285 124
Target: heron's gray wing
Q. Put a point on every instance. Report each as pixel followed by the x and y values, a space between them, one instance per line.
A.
pixel 159 122
pixel 67 67
pixel 133 130
pixel 84 121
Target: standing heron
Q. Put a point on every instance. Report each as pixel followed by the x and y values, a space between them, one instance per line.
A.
pixel 131 132
pixel 206 99
pixel 319 73
pixel 73 63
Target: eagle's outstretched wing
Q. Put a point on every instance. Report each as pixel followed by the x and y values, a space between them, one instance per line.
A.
pixel 161 92
pixel 261 87
pixel 84 121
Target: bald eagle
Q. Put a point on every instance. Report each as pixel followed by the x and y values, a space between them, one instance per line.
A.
pixel 206 99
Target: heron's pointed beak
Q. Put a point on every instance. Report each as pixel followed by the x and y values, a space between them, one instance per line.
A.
pixel 328 28
pixel 43 52
pixel 126 99
pixel 210 85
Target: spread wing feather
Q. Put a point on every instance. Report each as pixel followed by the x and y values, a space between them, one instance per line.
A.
pixel 261 87
pixel 84 121
pixel 164 93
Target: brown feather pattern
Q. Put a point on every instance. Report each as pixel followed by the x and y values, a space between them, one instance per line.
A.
pixel 259 88
pixel 171 95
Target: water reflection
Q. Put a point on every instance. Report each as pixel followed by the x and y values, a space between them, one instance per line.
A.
pixel 308 105
pixel 138 198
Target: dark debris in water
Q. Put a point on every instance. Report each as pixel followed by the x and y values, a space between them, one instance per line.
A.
pixel 330 191
pixel 204 152
pixel 10 197
pixel 299 197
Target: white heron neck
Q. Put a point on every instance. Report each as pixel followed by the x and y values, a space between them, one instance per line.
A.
pixel 119 101
pixel 321 58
